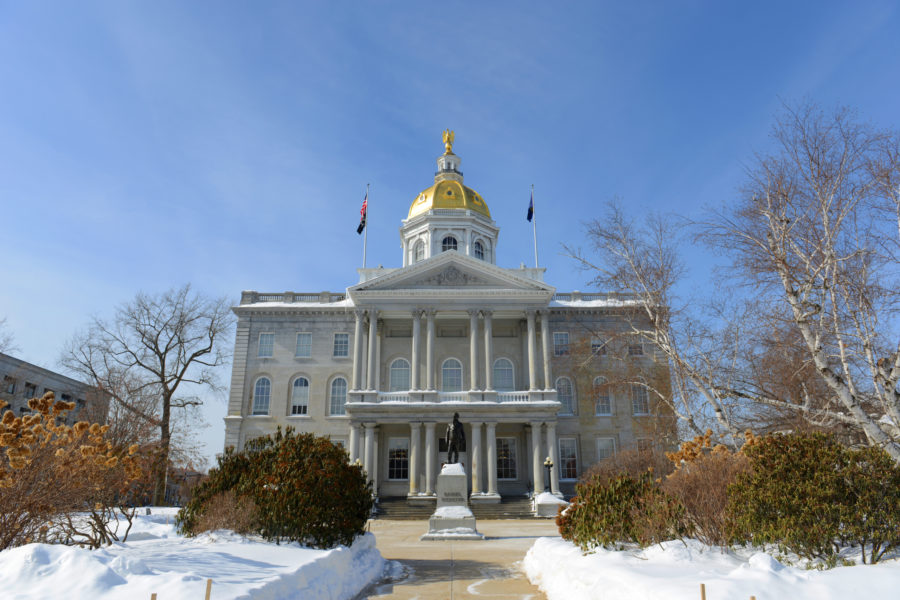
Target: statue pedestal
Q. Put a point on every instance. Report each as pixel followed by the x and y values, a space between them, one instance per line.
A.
pixel 452 519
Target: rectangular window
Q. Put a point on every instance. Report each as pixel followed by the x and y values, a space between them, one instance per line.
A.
pixel 568 461
pixel 266 345
pixel 9 384
pixel 30 390
pixel 560 343
pixel 606 448
pixel 304 345
pixel 635 346
pixel 598 346
pixel 398 458
pixel 341 344
pixel 640 403
pixel 506 458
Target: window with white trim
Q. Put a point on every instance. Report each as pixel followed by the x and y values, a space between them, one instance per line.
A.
pixel 300 396
pixel 598 346
pixel 266 345
pixel 568 458
pixel 262 390
pixel 9 384
pixel 602 400
pixel 560 343
pixel 635 346
pixel 606 448
pixel 399 375
pixel 451 376
pixel 398 458
pixel 640 401
pixel 337 397
pixel 304 345
pixel 504 380
pixel 448 243
pixel 419 252
pixel 341 344
pixel 566 395
pixel 506 458
pixel 479 251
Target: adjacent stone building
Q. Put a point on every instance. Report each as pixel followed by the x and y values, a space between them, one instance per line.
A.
pixel 383 366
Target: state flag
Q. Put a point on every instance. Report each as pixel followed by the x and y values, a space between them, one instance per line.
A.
pixel 362 214
pixel 530 208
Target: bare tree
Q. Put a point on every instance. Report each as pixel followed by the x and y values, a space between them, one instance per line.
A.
pixel 7 341
pixel 153 350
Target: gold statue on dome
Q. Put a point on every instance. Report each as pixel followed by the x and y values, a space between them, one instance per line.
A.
pixel 448 141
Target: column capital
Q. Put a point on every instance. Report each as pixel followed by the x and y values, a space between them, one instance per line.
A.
pixel 486 313
pixel 473 312
pixel 414 424
pixel 370 425
pixel 359 313
pixel 430 312
pixel 530 313
pixel 416 313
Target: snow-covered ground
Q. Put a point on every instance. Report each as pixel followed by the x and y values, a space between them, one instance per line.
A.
pixel 157 559
pixel 674 570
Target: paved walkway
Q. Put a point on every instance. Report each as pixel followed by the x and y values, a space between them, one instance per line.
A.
pixel 455 570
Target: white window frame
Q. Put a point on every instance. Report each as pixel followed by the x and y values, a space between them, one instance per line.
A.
pixel 574 441
pixel 564 407
pixel 334 346
pixel 639 394
pixel 270 345
pixel 462 381
pixel 392 446
pixel 418 251
pixel 560 348
pixel 445 246
pixel 396 386
pixel 598 346
pixel 612 440
pixel 308 346
pixel 636 346
pixel 257 408
pixel 478 248
pixel 331 406
pixel 599 382
pixel 512 375
pixel 515 459
pixel 294 404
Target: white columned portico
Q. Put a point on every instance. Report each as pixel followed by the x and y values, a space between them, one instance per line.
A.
pixel 430 453
pixel 369 456
pixel 545 347
pixel 473 349
pixel 553 453
pixel 354 442
pixel 373 333
pixel 475 458
pixel 532 371
pixel 491 432
pixel 414 435
pixel 357 349
pixel 414 351
pixel 488 351
pixel 429 351
pixel 537 462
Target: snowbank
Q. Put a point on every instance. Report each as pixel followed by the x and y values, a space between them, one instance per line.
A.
pixel 675 570
pixel 156 559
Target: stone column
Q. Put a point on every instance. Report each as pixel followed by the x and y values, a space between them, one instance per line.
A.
pixel 357 349
pixel 430 453
pixel 475 458
pixel 379 338
pixel 553 453
pixel 414 353
pixel 545 347
pixel 491 433
pixel 354 442
pixel 373 326
pixel 537 462
pixel 429 351
pixel 488 351
pixel 532 371
pixel 473 349
pixel 414 436
pixel 369 457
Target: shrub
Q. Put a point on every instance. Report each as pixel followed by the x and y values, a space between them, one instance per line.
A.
pixel 624 508
pixel 630 462
pixel 60 483
pixel 227 510
pixel 302 486
pixel 872 517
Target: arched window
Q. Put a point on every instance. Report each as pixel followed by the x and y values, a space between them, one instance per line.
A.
pixel 566 395
pixel 451 376
pixel 338 397
pixel 419 251
pixel 300 396
pixel 448 243
pixel 602 402
pixel 503 375
pixel 400 375
pixel 261 392
pixel 479 251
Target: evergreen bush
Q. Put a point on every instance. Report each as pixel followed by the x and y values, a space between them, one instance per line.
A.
pixel 302 487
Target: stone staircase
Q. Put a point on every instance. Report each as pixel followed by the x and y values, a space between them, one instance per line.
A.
pixel 515 507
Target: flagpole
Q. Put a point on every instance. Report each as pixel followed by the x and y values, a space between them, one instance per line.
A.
pixel 534 226
pixel 366 228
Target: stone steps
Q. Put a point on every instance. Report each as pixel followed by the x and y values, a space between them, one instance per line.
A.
pixel 401 510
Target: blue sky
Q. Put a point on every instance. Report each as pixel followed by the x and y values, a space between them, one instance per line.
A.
pixel 228 144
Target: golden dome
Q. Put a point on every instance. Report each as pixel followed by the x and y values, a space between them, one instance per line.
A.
pixel 448 194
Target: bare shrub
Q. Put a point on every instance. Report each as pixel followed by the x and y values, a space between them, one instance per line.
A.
pixel 227 510
pixel 629 462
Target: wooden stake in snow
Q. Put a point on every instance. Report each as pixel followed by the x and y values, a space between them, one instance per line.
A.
pixel 702 591
pixel 153 596
pixel 208 588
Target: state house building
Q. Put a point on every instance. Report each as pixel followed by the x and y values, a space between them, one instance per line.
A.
pixel 382 367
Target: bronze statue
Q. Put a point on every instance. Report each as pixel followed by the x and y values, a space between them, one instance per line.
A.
pixel 456 439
